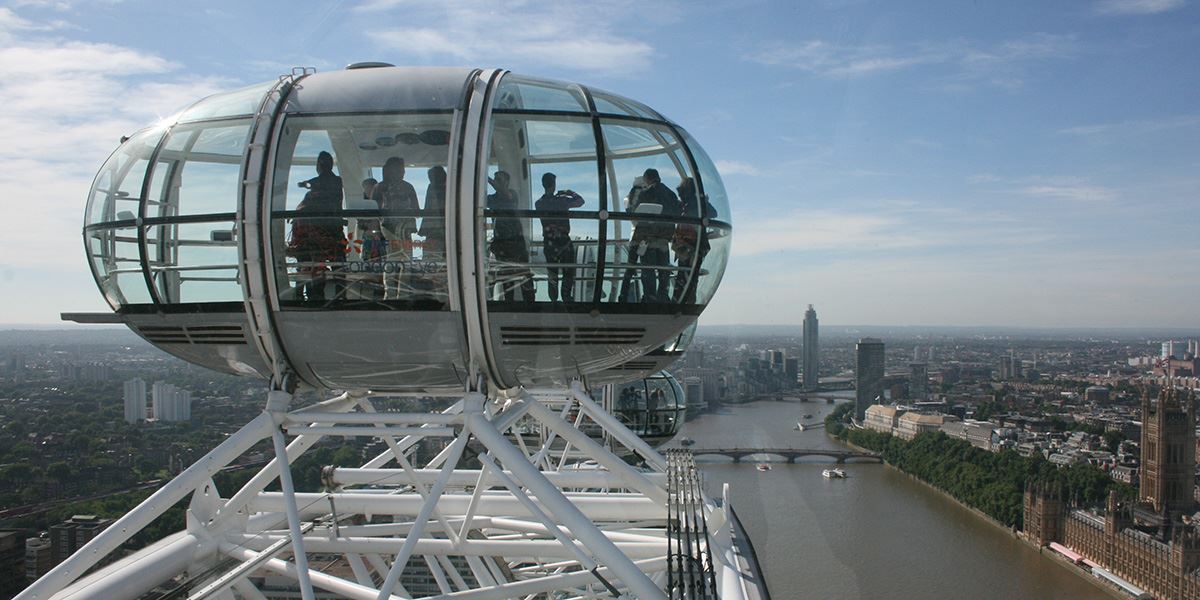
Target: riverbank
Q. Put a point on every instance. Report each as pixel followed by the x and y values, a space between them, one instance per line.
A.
pixel 1014 532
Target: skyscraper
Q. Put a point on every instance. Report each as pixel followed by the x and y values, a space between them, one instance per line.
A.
pixel 868 375
pixel 135 400
pixel 811 352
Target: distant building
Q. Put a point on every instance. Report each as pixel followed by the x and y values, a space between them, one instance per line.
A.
pixel 910 425
pixel 882 418
pixel 135 400
pixel 918 381
pixel 1147 544
pixel 1168 447
pixel 868 375
pixel 39 557
pixel 1096 394
pixel 170 403
pixel 791 371
pixel 811 352
pixel 693 391
pixel 72 534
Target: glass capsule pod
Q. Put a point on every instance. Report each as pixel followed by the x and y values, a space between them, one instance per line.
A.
pixel 654 408
pixel 410 230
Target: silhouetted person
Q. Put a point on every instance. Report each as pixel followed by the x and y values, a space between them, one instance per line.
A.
pixel 651 240
pixel 508 240
pixel 690 240
pixel 556 235
pixel 396 197
pixel 433 229
pixel 319 242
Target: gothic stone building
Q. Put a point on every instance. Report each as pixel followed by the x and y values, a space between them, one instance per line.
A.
pixel 1146 542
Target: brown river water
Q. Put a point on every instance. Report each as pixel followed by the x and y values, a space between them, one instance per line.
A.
pixel 876 534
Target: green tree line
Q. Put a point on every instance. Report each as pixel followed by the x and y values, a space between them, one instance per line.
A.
pixel 992 482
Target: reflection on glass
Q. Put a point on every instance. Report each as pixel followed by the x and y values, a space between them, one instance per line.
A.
pixel 527 93
pixel 359 212
pixel 114 253
pixel 117 190
pixel 228 104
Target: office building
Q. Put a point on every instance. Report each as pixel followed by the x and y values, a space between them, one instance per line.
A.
pixel 811 352
pixel 170 403
pixel 868 375
pixel 918 381
pixel 135 400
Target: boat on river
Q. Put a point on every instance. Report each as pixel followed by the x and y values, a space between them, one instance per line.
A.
pixel 837 473
pixel 763 467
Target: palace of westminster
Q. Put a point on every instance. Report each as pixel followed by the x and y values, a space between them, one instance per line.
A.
pixel 1151 543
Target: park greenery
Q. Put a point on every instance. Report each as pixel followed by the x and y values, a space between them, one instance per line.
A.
pixel 991 482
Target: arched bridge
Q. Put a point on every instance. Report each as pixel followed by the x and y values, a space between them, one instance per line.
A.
pixel 791 454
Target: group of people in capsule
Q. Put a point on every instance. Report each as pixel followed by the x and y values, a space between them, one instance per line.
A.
pixel 380 250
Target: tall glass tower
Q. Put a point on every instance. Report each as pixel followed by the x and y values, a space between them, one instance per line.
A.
pixel 811 351
pixel 868 374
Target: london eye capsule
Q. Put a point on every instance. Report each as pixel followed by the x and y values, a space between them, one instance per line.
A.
pixel 410 230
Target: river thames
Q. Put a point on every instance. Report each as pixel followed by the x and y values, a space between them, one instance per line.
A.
pixel 876 534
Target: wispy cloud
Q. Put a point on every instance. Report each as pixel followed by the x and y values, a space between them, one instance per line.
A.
pixel 1074 193
pixel 1048 187
pixel 66 105
pixel 737 167
pixel 525 33
pixel 994 64
pixel 1137 7
pixel 1135 127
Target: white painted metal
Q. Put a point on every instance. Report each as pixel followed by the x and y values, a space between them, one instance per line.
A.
pixel 550 509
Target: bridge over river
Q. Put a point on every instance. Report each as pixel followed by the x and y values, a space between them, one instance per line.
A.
pixel 790 454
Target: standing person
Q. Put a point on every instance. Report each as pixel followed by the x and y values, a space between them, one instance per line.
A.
pixel 433 229
pixel 650 243
pixel 395 197
pixel 689 240
pixel 556 235
pixel 508 240
pixel 319 241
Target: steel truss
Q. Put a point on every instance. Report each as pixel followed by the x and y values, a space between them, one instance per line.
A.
pixel 548 511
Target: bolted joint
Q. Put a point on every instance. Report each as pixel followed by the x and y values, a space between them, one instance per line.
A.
pixel 278 401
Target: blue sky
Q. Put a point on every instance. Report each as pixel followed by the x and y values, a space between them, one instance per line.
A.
pixel 940 163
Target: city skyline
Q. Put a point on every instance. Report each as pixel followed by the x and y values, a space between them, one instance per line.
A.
pixel 1019 164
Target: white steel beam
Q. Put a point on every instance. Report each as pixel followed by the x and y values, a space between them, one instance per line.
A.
pixel 583 528
pixel 116 534
pixel 603 508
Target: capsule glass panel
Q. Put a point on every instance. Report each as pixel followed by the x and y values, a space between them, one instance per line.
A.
pixel 517 92
pixel 117 190
pixel 642 268
pixel 110 236
pixel 358 211
pixel 711 249
pixel 541 209
pixel 228 104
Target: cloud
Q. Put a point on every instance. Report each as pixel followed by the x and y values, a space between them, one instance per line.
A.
pixel 736 167
pixel 1135 127
pixel 66 105
pixel 1137 7
pixel 524 33
pixel 968 63
pixel 1074 193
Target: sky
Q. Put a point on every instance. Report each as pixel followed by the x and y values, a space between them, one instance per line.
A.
pixel 920 163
